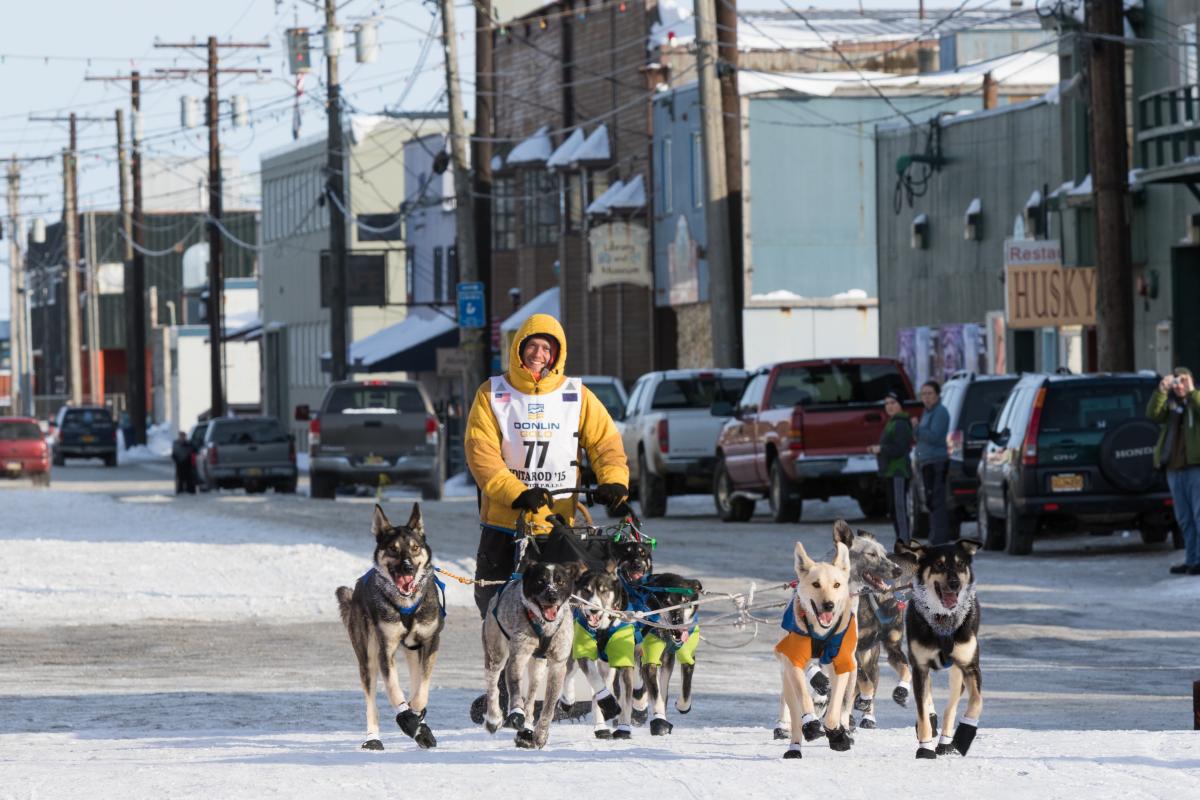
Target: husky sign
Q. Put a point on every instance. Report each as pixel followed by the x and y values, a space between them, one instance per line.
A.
pixel 1040 292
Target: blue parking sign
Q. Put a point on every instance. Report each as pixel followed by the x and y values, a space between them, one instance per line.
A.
pixel 470 305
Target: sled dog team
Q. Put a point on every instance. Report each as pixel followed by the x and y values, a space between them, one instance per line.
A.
pixel 844 610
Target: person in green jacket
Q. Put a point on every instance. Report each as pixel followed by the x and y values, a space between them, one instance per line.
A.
pixel 894 466
pixel 1176 406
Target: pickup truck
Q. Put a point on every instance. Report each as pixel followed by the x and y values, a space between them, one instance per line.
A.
pixel 802 429
pixel 374 432
pixel 251 452
pixel 669 431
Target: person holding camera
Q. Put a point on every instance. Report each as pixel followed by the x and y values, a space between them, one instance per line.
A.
pixel 1175 405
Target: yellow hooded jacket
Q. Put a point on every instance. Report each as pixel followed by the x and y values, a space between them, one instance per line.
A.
pixel 597 435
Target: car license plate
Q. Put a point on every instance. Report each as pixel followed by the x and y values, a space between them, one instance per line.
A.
pixel 87 439
pixel 1071 482
pixel 254 472
pixel 13 466
pixel 373 460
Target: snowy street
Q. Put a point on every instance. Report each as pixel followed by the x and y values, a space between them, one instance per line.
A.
pixel 190 646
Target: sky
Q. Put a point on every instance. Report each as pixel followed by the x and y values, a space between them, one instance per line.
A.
pixel 44 63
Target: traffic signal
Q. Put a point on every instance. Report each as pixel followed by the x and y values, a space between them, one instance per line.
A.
pixel 299 55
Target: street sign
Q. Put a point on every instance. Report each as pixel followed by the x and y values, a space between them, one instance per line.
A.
pixel 470 305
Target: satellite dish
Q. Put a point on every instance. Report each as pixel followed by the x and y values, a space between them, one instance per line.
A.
pixel 195 266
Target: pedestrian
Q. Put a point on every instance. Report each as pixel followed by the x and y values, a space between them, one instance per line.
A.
pixel 1175 405
pixel 892 453
pixel 181 453
pixel 933 459
pixel 524 433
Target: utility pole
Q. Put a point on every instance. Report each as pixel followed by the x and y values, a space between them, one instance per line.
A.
pixel 16 302
pixel 1114 268
pixel 481 161
pixel 335 185
pixel 216 280
pixel 731 110
pixel 133 227
pixel 470 339
pixel 716 191
pixel 70 221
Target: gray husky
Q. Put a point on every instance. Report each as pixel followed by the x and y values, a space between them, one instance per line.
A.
pixel 396 604
pixel 529 619
pixel 604 651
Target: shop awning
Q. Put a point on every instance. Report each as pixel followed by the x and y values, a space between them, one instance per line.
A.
pixel 564 156
pixel 408 346
pixel 544 303
pixel 595 152
pixel 603 203
pixel 533 151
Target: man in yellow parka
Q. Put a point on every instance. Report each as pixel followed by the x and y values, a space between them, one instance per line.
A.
pixel 522 442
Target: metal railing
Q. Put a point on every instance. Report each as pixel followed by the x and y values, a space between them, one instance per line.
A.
pixel 1169 127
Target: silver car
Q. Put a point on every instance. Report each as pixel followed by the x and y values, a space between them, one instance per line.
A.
pixel 251 452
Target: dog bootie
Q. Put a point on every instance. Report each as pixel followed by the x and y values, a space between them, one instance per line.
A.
pixel 862 703
pixel 900 694
pixel 372 744
pixel 792 752
pixel 867 722
pixel 819 682
pixel 602 733
pixel 572 711
pixel 926 750
pixel 622 732
pixel 515 719
pixel 660 727
pixel 839 739
pixel 781 733
pixel 609 707
pixel 811 728
pixel 524 739
pixel 964 734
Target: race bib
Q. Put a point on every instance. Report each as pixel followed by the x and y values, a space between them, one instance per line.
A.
pixel 540 433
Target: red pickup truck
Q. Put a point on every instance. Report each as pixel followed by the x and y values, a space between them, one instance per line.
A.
pixel 802 429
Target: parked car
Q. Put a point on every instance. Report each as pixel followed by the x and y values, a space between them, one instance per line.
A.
pixel 368 431
pixel 969 398
pixel 196 438
pixel 23 450
pixel 255 453
pixel 1071 452
pixel 669 432
pixel 802 429
pixel 610 391
pixel 85 432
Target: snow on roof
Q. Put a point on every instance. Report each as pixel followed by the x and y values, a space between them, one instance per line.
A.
pixel 786 30
pixel 1035 199
pixel 534 150
pixel 602 204
pixel 421 325
pixel 564 155
pixel 975 207
pixel 544 303
pixel 631 197
pixel 595 149
pixel 1022 69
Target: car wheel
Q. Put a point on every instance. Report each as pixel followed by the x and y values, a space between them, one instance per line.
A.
pixel 652 491
pixel 59 460
pixel 990 529
pixel 110 460
pixel 287 487
pixel 320 487
pixel 873 505
pixel 730 507
pixel 786 502
pixel 431 491
pixel 1018 532
pixel 1155 534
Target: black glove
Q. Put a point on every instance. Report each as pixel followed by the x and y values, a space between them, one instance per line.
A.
pixel 611 495
pixel 533 499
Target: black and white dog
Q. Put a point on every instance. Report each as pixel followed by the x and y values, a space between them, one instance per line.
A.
pixel 942 624
pixel 396 604
pixel 528 633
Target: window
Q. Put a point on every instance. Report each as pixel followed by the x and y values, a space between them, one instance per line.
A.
pixel 698 392
pixel 250 431
pixel 697 171
pixel 983 402
pixel 451 274
pixel 504 215
pixel 1188 55
pixel 831 383
pixel 378 399
pixel 574 202
pixel 635 397
pixel 664 172
pixel 410 270
pixel 752 397
pixel 1088 407
pixel 379 227
pixel 540 203
pixel 438 286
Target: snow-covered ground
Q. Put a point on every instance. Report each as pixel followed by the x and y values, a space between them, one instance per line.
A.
pixel 155 645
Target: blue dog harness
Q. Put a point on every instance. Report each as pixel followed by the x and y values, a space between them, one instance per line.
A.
pixel 826 647
pixel 408 611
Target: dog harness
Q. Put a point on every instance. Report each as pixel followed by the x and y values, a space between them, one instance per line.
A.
pixel 944 626
pixel 615 645
pixel 408 611
pixel 801 645
pixel 539 433
pixel 543 639
pixel 655 646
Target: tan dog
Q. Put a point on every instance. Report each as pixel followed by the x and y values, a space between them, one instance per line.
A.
pixel 820 624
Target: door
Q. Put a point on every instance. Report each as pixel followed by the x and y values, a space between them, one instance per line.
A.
pixel 740 439
pixel 1185 323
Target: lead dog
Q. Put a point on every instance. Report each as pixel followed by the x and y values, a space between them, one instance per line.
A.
pixel 820 624
pixel 396 604
pixel 942 624
pixel 529 620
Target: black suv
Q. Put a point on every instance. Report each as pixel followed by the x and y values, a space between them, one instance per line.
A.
pixel 1072 452
pixel 970 399
pixel 85 432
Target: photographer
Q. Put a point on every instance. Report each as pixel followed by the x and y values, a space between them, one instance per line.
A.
pixel 1176 406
